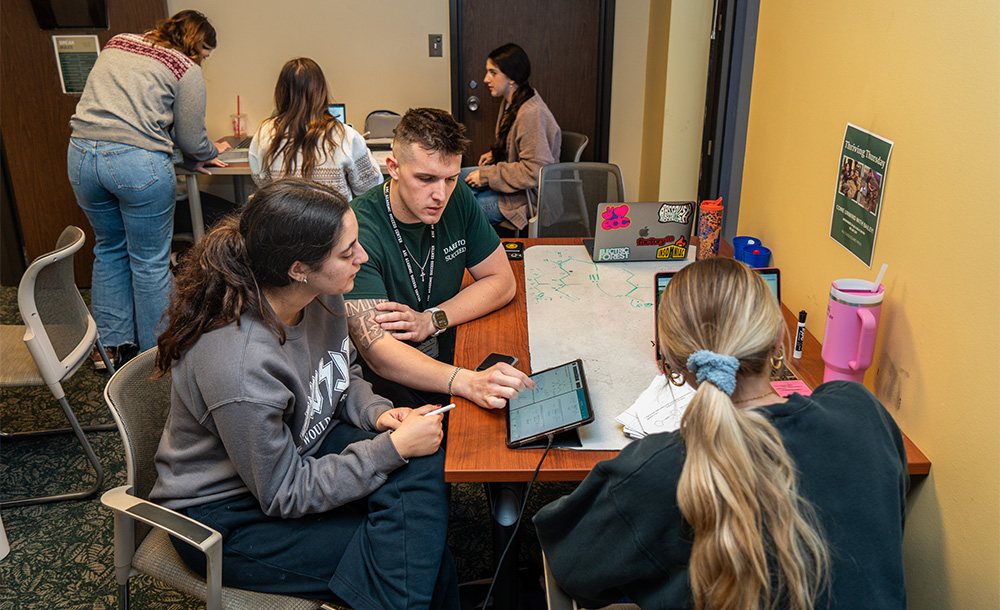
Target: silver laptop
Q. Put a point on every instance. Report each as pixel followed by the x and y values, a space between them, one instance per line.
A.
pixel 645 231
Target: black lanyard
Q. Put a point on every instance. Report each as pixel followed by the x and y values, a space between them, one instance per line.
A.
pixel 406 253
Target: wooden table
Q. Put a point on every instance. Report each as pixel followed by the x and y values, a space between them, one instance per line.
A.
pixel 476 450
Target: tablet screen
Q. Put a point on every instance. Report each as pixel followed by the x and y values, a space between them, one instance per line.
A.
pixel 559 402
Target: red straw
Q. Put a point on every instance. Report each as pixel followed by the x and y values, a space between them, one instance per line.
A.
pixel 237 104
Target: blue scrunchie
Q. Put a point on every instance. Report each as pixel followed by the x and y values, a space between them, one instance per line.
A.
pixel 717 369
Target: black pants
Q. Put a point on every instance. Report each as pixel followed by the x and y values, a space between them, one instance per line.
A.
pixel 384 551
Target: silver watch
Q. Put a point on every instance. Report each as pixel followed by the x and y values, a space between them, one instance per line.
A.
pixel 440 319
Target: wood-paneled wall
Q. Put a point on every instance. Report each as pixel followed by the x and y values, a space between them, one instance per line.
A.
pixel 35 120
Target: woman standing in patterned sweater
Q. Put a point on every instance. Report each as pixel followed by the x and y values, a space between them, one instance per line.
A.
pixel 145 95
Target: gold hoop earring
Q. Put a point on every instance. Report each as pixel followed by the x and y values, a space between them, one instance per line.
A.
pixel 777 362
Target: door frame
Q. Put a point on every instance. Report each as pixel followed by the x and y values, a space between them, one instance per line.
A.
pixel 602 122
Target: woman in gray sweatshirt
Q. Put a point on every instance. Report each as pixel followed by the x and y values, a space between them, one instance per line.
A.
pixel 320 488
pixel 145 95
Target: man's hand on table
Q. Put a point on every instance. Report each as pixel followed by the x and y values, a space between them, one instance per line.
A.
pixel 492 388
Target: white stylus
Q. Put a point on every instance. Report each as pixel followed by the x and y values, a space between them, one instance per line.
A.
pixel 441 410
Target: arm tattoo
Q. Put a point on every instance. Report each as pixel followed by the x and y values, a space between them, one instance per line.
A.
pixel 361 324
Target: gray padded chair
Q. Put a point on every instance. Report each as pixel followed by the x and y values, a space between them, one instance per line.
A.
pixel 570 150
pixel 139 404
pixel 568 196
pixel 381 124
pixel 573 144
pixel 57 337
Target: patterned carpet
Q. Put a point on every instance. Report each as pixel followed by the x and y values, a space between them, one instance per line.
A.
pixel 61 554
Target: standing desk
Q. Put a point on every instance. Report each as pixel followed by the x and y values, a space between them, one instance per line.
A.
pixel 476 450
pixel 238 170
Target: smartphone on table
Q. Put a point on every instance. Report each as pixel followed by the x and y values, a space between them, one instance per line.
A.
pixel 495 358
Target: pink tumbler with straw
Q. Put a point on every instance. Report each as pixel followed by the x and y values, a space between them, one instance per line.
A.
pixel 852 318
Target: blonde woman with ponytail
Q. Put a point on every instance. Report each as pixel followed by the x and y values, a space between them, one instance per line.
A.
pixel 758 501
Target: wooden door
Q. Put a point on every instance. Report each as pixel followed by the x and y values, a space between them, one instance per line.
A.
pixel 569 43
pixel 35 121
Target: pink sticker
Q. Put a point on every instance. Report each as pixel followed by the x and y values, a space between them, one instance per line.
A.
pixel 791 386
pixel 615 217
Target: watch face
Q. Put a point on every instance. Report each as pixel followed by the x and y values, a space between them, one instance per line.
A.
pixel 440 319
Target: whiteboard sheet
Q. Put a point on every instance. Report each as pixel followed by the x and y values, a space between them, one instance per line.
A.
pixel 602 314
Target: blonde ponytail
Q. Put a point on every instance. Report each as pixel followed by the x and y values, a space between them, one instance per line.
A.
pixel 757 542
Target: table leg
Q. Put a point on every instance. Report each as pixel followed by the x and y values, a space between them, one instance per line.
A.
pixel 239 192
pixel 505 502
pixel 194 203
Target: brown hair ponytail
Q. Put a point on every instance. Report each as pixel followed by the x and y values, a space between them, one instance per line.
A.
pixel 512 61
pixel 222 277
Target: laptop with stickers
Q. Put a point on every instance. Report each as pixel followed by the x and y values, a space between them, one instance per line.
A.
pixel 644 231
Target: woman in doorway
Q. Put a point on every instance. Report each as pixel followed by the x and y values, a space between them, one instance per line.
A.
pixel 758 501
pixel 145 95
pixel 321 488
pixel 303 139
pixel 527 138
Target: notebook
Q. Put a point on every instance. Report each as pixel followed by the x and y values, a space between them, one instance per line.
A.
pixel 644 231
pixel 771 275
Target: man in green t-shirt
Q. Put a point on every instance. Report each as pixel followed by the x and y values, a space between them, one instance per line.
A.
pixel 422 229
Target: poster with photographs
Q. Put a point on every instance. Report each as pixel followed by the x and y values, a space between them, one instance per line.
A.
pixel 860 183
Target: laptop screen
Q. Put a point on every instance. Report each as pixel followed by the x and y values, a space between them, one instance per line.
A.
pixel 771 275
pixel 338 111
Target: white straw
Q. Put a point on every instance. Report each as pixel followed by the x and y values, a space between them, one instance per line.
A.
pixel 878 280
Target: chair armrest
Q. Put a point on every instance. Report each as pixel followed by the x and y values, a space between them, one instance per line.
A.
pixel 555 597
pixel 128 508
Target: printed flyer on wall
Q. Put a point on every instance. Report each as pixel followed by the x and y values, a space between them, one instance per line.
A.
pixel 857 204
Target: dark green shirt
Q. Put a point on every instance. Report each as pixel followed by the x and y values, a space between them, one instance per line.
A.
pixel 464 239
pixel 621 533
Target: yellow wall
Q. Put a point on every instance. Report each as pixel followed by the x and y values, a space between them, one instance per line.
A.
pixel 684 99
pixel 628 86
pixel 925 77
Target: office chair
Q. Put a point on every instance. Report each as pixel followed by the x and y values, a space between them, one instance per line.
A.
pixel 570 150
pixel 573 144
pixel 381 124
pixel 57 337
pixel 568 196
pixel 557 599
pixel 139 404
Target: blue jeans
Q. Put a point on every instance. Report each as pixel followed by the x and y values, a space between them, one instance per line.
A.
pixel 383 552
pixel 487 198
pixel 128 194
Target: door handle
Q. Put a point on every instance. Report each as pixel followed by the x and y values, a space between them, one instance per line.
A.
pixel 473 103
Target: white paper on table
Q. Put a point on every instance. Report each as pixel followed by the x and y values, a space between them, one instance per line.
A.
pixel 658 408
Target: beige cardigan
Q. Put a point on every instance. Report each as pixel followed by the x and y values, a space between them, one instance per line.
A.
pixel 533 142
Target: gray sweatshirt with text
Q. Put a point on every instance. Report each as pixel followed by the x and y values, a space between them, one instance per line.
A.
pixel 247 414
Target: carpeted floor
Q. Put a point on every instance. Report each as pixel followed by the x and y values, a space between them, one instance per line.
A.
pixel 61 554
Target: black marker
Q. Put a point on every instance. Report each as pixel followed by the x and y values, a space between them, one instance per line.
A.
pixel 800 335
